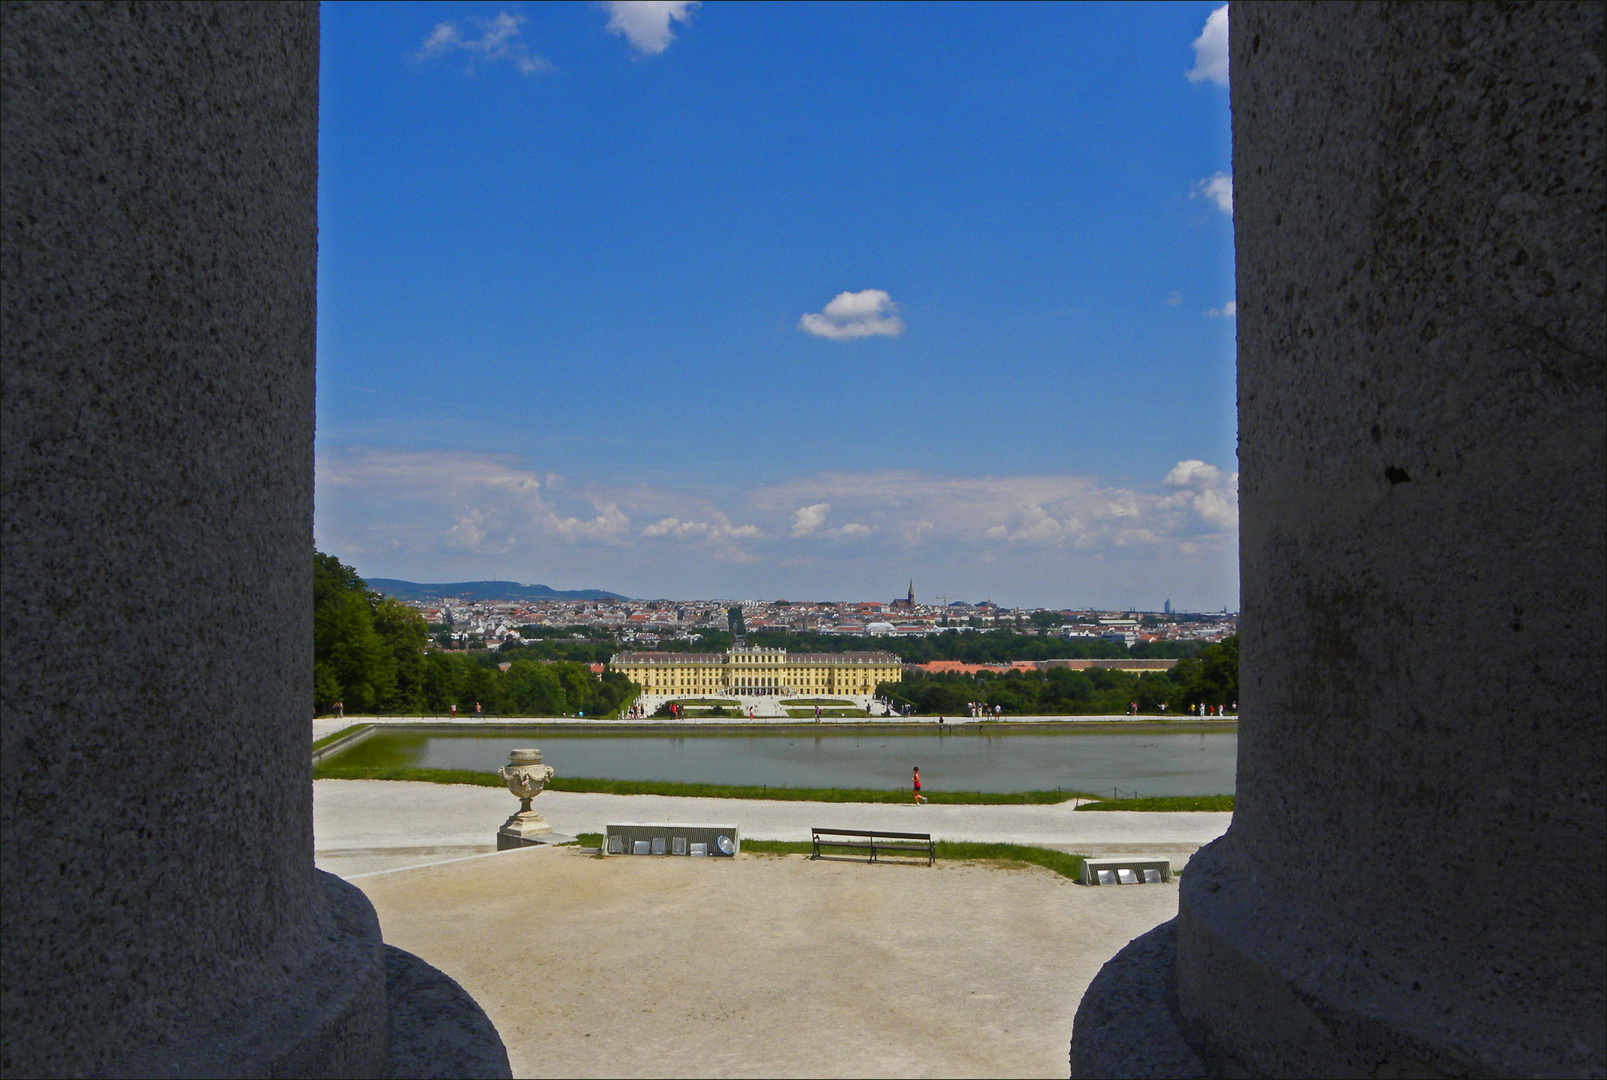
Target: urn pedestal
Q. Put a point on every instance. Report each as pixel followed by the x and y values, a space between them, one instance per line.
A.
pixel 526 776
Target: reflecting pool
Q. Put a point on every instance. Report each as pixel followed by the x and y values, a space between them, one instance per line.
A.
pixel 966 758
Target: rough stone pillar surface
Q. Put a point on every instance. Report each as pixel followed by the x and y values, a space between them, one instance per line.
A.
pixel 1413 882
pixel 162 914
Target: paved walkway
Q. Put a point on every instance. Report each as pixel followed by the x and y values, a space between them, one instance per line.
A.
pixel 368 825
pixel 759 965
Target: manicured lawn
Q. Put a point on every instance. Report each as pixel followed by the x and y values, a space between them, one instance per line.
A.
pixel 341 734
pixel 1003 855
pixel 1161 805
pixel 825 713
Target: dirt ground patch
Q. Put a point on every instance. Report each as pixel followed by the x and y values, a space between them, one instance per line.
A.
pixel 766 965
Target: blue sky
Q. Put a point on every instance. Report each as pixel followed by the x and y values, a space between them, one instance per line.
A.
pixel 780 300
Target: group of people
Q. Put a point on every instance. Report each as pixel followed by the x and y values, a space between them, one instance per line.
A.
pixel 976 709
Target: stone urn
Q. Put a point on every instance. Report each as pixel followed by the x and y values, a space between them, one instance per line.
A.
pixel 525 776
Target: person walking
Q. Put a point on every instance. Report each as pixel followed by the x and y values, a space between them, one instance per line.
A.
pixel 919 798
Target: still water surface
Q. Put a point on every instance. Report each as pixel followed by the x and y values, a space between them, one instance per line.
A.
pixel 1151 763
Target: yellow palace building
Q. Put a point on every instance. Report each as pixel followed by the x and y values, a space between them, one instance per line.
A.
pixel 758 671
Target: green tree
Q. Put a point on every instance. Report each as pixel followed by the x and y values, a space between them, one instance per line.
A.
pixel 533 690
pixel 353 655
pixel 443 681
pixel 403 634
pixel 368 650
pixel 1210 678
pixel 483 686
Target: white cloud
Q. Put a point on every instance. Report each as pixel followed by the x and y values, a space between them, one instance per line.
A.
pixel 496 42
pixel 1226 311
pixel 867 313
pixel 1192 474
pixel 1216 188
pixel 646 23
pixel 1211 494
pixel 476 503
pixel 1174 299
pixel 1217 509
pixel 468 532
pixel 1211 50
pixel 445 36
pixel 609 526
pixel 718 528
pixel 432 516
pixel 809 519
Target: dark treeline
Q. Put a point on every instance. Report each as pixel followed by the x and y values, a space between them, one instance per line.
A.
pixel 1211 678
pixel 368 654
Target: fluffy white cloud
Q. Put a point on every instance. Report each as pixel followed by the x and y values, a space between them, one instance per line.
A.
pixel 495 42
pixel 809 519
pixel 867 313
pixel 1211 50
pixel 646 23
pixel 1173 299
pixel 1191 474
pixel 1216 188
pixel 1218 508
pixel 1226 311
pixel 719 527
pixel 1211 494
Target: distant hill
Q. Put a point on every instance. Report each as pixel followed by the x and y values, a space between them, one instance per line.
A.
pixel 483 590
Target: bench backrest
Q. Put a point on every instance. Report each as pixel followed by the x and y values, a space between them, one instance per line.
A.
pixel 873 833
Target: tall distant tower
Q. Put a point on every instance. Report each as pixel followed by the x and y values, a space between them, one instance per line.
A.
pixel 912 592
pixel 1168 608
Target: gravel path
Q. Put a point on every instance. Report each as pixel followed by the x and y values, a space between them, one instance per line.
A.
pixel 759 965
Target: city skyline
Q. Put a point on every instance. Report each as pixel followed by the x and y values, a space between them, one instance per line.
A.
pixel 681 300
pixel 419 591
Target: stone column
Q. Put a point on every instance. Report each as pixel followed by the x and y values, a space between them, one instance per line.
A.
pixel 1413 882
pixel 162 915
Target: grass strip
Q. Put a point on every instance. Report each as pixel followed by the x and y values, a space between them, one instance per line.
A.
pixel 1063 863
pixel 1163 805
pixel 333 770
pixel 341 734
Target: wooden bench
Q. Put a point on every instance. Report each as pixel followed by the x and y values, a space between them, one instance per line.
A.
pixel 875 841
